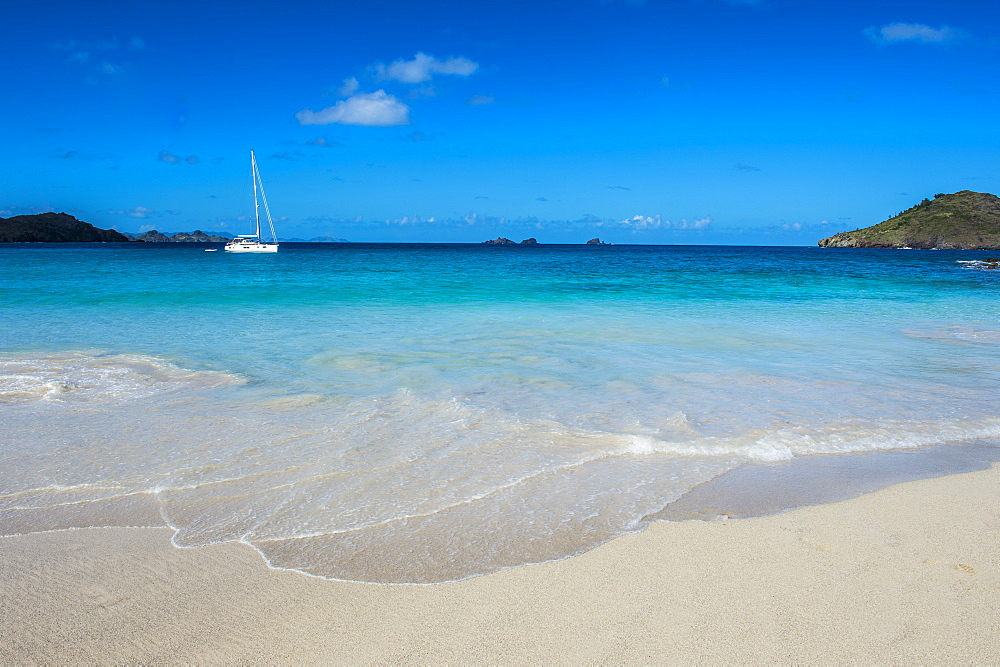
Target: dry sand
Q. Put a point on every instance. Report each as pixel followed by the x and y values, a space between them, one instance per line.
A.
pixel 908 574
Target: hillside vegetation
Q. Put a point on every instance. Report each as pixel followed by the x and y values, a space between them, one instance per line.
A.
pixel 965 220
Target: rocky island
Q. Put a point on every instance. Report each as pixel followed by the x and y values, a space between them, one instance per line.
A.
pixel 964 220
pixel 54 228
pixel 506 241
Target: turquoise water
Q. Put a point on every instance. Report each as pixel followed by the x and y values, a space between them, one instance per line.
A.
pixel 418 413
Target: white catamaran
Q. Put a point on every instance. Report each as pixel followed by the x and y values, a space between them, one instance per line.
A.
pixel 253 242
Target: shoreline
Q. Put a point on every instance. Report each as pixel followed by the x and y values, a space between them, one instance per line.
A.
pixel 907 572
pixel 757 489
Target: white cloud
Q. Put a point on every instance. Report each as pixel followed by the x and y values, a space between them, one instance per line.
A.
pixel 348 88
pixel 423 67
pixel 478 100
pixel 648 222
pixel 643 222
pixel 893 33
pixel 378 109
pixel 135 212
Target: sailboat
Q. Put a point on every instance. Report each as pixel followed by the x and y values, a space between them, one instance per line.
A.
pixel 253 242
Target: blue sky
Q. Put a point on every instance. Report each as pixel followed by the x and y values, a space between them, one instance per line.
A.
pixel 656 121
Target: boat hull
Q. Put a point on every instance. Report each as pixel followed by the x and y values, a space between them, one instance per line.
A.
pixel 252 247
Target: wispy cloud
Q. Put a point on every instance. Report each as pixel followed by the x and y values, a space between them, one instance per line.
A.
pixel 114 44
pixel 94 54
pixel 894 33
pixel 739 166
pixel 416 136
pixel 135 212
pixel 421 92
pixel 479 100
pixel 290 156
pixel 423 67
pixel 324 142
pixel 378 109
pixel 75 155
pixel 176 159
pixel 619 187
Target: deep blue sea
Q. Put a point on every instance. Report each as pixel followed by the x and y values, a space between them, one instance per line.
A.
pixel 421 413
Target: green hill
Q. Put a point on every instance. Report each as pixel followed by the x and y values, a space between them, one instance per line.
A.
pixel 965 220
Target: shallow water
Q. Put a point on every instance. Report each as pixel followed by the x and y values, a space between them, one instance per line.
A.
pixel 420 413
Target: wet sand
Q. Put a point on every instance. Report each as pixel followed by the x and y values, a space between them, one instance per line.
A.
pixel 907 573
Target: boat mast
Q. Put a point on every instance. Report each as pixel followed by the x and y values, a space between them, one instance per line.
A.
pixel 256 207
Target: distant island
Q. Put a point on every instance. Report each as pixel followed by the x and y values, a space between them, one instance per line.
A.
pixel 64 228
pixel 505 241
pixel 54 228
pixel 532 241
pixel 964 220
pixel 197 236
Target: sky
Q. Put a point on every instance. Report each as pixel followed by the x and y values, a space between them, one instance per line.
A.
pixel 751 122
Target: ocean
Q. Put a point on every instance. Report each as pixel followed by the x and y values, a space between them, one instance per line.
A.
pixel 422 413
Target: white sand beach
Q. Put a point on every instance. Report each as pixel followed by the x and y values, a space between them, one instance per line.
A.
pixel 906 574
